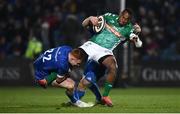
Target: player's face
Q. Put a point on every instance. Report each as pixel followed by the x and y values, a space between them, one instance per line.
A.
pixel 74 61
pixel 124 18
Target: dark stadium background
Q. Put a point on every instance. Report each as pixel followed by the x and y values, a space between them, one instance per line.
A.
pixel 148 78
pixel 58 22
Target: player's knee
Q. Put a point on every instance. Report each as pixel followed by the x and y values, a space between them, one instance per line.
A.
pixel 83 84
pixel 69 84
pixel 70 87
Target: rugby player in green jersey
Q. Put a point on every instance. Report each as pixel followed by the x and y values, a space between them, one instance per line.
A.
pixel 118 28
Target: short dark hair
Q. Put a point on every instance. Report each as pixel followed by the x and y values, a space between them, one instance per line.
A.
pixel 129 11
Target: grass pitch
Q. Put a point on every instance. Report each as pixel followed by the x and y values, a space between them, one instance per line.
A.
pixel 27 99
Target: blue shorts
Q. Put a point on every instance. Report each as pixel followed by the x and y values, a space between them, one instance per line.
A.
pixel 94 71
pixel 39 73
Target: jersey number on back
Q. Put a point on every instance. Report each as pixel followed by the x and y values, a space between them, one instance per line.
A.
pixel 47 55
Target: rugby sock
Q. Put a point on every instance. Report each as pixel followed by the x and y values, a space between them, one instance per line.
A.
pixel 71 97
pixel 94 88
pixel 107 88
pixel 79 94
pixel 51 78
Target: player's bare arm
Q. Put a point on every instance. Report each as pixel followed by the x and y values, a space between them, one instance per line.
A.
pixel 60 78
pixel 137 28
pixel 90 20
pixel 134 36
pixel 68 84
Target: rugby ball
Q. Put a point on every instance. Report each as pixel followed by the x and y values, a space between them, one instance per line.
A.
pixel 100 26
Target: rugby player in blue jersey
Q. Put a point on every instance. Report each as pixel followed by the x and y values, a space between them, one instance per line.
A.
pixel 53 67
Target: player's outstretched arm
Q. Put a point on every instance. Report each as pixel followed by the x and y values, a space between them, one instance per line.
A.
pixel 60 79
pixel 137 29
pixel 90 20
pixel 134 36
pixel 68 84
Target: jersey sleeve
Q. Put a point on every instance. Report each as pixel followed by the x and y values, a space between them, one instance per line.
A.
pixel 108 16
pixel 62 68
pixel 128 30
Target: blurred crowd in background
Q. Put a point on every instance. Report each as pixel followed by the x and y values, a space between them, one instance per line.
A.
pixel 27 27
pixel 160 29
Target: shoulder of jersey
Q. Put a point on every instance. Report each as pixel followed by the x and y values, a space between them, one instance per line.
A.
pixel 110 14
pixel 66 46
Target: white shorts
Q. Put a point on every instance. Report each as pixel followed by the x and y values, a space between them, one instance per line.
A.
pixel 95 51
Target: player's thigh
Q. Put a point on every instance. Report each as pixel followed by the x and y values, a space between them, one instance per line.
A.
pixel 110 62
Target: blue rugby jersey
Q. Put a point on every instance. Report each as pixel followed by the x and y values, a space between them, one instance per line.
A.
pixel 52 60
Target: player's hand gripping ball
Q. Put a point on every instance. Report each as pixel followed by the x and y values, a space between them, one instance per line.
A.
pixel 101 24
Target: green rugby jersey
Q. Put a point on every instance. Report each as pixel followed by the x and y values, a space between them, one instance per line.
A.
pixel 106 38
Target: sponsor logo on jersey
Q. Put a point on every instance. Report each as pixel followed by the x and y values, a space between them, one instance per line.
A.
pixel 115 32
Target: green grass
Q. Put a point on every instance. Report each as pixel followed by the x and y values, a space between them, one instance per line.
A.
pixel 26 99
